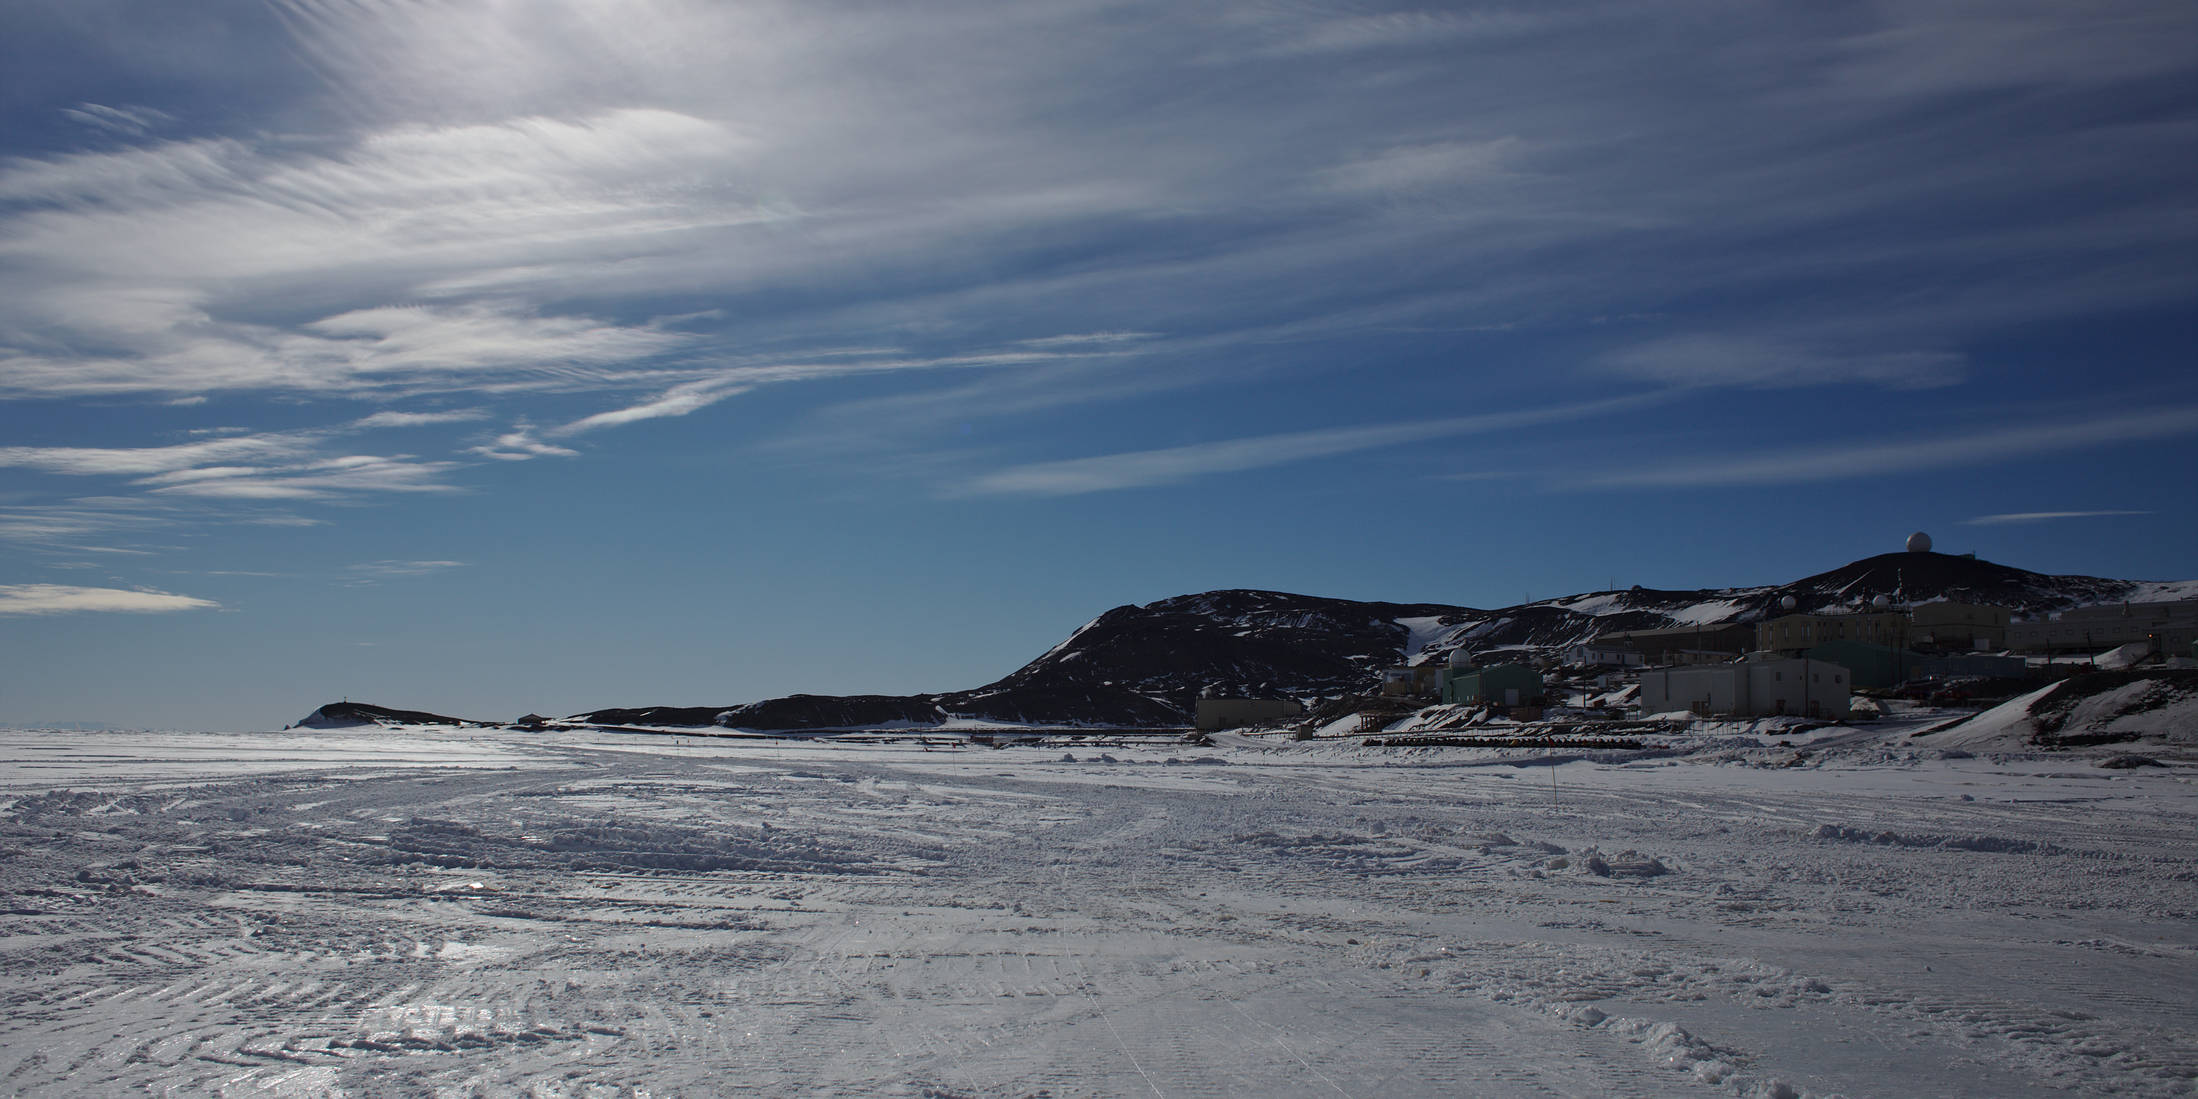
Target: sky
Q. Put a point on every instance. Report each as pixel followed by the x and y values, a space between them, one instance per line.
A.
pixel 499 357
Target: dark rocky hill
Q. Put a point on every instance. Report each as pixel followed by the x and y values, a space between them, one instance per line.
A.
pixel 344 715
pixel 1146 665
pixel 1916 577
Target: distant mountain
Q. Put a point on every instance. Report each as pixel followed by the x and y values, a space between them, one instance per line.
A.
pixel 1146 666
pixel 346 715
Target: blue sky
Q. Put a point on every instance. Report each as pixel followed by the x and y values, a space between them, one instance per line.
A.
pixel 490 357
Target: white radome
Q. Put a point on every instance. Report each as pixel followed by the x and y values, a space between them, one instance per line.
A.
pixel 1919 542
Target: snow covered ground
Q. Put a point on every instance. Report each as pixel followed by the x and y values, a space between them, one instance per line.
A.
pixel 501 913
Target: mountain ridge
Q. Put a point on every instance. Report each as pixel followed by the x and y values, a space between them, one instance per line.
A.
pixel 1146 665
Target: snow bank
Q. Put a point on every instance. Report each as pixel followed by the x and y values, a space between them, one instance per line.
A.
pixel 2087 710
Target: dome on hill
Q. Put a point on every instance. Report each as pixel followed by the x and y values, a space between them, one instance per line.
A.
pixel 1919 542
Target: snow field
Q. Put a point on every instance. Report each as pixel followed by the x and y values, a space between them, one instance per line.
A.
pixel 589 914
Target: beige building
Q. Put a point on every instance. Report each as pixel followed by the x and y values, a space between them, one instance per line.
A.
pixel 2168 627
pixel 1758 688
pixel 1685 644
pixel 1215 714
pixel 1411 681
pixel 1951 626
pixel 1794 632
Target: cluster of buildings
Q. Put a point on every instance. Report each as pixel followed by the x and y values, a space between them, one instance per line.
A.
pixel 2166 628
pixel 1809 664
pixel 1800 664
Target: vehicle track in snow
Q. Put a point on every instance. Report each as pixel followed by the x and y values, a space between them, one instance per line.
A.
pixel 774 919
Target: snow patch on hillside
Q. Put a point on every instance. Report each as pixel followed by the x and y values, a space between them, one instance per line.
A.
pixel 1421 634
pixel 1595 604
pixel 2160 591
pixel 1707 613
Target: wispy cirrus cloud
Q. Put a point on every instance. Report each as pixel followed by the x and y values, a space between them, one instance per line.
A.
pixel 1837 462
pixel 127 121
pixel 290 465
pixel 325 479
pixel 2013 517
pixel 394 569
pixel 1770 363
pixel 124 461
pixel 520 445
pixel 1315 32
pixel 677 401
pixel 392 419
pixel 632 207
pixel 56 525
pixel 44 599
pixel 1173 465
pixel 141 252
pixel 474 197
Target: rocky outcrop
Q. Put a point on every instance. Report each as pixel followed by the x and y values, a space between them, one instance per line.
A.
pixel 349 715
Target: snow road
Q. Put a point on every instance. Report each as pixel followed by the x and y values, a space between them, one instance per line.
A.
pixel 504 913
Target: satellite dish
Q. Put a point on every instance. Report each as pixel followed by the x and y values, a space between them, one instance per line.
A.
pixel 1789 603
pixel 1919 542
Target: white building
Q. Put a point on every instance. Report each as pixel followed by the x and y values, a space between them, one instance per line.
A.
pixel 1753 688
pixel 1596 654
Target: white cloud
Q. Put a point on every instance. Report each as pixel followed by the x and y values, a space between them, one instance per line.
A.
pixel 218 472
pixel 1403 29
pixel 53 524
pixel 721 384
pixel 317 480
pixel 520 445
pixel 1141 469
pixel 1839 462
pixel 2041 517
pixel 418 419
pixel 126 121
pixel 105 461
pixel 505 198
pixel 1939 46
pixel 1433 166
pixel 1087 339
pixel 678 401
pixel 142 252
pixel 389 570
pixel 65 599
pixel 1762 363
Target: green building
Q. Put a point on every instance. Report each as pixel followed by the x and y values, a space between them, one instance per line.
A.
pixel 1870 665
pixel 1505 684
